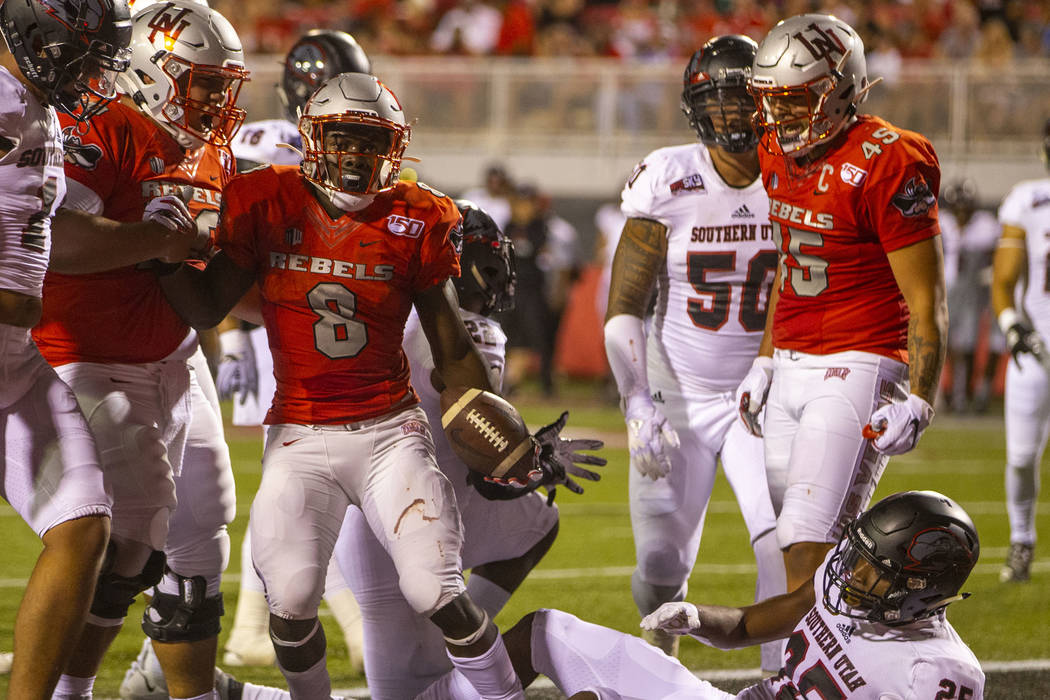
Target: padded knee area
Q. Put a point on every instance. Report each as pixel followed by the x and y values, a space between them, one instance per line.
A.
pixel 189 616
pixel 662 563
pixel 114 593
pixel 648 597
pixel 425 591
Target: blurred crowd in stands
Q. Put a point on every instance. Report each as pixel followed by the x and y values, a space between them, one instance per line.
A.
pixel 987 31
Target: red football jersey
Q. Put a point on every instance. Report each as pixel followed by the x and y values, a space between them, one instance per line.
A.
pixel 336 294
pixel 121 315
pixel 874 193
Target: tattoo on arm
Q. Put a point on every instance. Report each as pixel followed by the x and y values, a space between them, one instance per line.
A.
pixel 639 255
pixel 925 358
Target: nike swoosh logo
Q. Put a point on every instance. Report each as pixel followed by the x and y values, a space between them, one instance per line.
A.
pixel 291 442
pixel 213 178
pixel 365 244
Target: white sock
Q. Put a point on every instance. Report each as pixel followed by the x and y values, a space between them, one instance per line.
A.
pixel 491 673
pixel 73 688
pixel 310 684
pixel 210 695
pixel 1022 489
pixel 489 596
pixel 250 691
pixel 252 619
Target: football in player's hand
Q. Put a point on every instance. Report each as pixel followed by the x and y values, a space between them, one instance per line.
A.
pixel 489 435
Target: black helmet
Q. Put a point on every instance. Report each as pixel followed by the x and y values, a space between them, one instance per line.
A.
pixel 920 544
pixel 69 49
pixel 317 56
pixel 715 81
pixel 487 261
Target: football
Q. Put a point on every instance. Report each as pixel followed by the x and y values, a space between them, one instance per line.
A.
pixel 488 434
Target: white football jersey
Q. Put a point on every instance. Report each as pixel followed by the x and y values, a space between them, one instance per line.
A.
pixel 491 341
pixel 32 185
pixel 721 259
pixel 833 656
pixel 1027 207
pixel 257 141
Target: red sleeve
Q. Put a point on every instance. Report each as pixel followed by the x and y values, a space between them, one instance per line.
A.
pixel 902 199
pixel 101 158
pixel 439 249
pixel 234 234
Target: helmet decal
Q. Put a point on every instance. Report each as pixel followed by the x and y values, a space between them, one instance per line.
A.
pixel 171 26
pixel 86 15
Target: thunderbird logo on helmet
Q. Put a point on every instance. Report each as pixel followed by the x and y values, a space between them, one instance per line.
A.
pixel 933 545
pixel 82 15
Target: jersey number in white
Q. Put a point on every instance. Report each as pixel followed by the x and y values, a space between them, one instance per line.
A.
pixel 815 678
pixel 810 277
pixel 337 335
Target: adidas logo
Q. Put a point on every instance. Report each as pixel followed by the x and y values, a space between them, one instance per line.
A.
pixel 743 213
pixel 846 631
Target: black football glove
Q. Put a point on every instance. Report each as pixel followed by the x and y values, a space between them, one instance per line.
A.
pixel 1021 338
pixel 559 459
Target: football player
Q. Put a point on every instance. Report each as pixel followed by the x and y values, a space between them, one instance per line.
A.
pixel 969 235
pixel 697 222
pixel 134 365
pixel 869 624
pixel 246 369
pixel 61 57
pixel 341 250
pixel 506 531
pixel 856 331
pixel 1022 253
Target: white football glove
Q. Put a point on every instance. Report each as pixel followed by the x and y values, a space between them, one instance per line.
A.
pixel 674 618
pixel 649 437
pixel 752 393
pixel 896 428
pixel 170 212
pixel 238 372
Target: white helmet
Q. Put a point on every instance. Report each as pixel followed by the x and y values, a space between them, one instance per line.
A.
pixel 137 6
pixel 354 108
pixel 187 68
pixel 808 78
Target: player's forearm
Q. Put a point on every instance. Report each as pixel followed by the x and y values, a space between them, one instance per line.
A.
pixel 203 298
pixel 722 627
pixel 927 346
pixel 1006 271
pixel 765 348
pixel 84 243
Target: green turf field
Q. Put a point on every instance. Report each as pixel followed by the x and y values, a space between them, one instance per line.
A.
pixel 587 571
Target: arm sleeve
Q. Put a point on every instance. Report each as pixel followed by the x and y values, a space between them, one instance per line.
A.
pixel 439 249
pixel 233 235
pixel 903 196
pixel 100 159
pixel 1012 208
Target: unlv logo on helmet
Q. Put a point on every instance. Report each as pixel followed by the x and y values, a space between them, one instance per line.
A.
pixel 169 25
pixel 85 15
pixel 823 43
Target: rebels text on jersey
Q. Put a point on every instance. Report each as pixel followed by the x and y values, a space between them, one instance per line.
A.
pixel 336 294
pixel 122 315
pixel 721 258
pixel 833 656
pixel 873 193
pixel 1027 207
pixel 32 182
